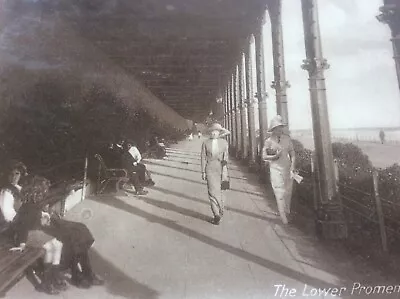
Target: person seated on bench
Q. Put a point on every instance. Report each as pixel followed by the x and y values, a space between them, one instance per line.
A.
pixel 139 168
pixel 75 237
pixel 112 156
pixel 10 200
pixel 119 146
pixel 128 163
pixel 157 147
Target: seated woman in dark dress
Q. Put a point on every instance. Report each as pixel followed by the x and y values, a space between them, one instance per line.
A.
pixel 157 147
pixel 13 227
pixel 75 237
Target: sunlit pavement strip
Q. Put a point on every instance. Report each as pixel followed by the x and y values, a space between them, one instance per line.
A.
pixel 162 245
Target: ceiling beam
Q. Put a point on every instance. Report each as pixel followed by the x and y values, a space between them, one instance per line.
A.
pixel 174 67
pixel 177 88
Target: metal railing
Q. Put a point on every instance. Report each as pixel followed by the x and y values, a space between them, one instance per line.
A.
pixel 366 211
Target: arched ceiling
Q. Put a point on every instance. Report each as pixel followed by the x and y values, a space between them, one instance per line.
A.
pixel 182 50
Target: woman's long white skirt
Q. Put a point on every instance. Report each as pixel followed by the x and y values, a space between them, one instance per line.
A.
pixel 282 184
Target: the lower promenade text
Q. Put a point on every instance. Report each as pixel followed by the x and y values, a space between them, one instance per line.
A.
pixel 284 291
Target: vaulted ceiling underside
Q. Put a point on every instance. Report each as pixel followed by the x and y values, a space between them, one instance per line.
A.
pixel 182 50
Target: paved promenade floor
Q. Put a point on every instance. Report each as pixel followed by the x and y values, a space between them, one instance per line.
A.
pixel 161 246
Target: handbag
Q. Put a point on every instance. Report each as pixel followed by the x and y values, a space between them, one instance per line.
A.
pixel 225 181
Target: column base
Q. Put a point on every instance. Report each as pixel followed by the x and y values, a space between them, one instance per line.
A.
pixel 238 155
pixel 330 223
pixel 232 151
pixel 253 167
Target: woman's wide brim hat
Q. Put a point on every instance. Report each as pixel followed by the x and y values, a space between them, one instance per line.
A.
pixel 215 127
pixel 275 123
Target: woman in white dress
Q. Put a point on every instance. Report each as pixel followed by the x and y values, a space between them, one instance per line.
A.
pixel 279 153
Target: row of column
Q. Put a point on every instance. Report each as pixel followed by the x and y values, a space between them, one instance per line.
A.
pixel 240 98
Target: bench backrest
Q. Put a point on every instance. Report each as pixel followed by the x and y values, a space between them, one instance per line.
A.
pixel 101 160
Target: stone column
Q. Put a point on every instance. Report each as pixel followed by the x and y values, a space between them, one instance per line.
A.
pixel 237 113
pixel 250 106
pixel 315 64
pixel 226 109
pixel 261 90
pixel 390 14
pixel 228 97
pixel 233 114
pixel 279 84
pixel 243 111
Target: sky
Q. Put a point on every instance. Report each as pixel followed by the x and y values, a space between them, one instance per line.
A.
pixel 362 89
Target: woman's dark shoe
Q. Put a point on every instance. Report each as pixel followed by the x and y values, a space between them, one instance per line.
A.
pixel 216 220
pixel 47 288
pixel 59 279
pixel 81 283
pixel 151 183
pixel 142 192
pixel 96 280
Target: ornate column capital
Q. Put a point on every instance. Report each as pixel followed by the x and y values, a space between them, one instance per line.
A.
pixel 315 64
pixel 261 98
pixel 276 84
pixel 250 102
pixel 388 13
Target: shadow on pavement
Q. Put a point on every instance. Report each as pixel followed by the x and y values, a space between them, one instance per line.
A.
pixel 195 199
pixel 271 265
pixel 174 208
pixel 203 183
pixel 117 282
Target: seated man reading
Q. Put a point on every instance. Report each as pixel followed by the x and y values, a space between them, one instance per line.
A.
pixel 137 172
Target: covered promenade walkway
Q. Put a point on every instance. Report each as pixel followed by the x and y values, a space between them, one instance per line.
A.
pixel 162 245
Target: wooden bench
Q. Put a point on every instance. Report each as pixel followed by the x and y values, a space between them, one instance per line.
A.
pixel 107 175
pixel 14 265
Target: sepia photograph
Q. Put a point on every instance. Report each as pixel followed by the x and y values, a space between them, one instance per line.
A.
pixel 199 149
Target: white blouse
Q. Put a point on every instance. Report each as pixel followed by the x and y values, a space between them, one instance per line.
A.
pixel 214 147
pixel 7 203
pixel 135 154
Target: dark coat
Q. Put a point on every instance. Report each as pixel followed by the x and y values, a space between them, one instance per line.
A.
pixel 75 236
pixel 27 219
pixel 127 161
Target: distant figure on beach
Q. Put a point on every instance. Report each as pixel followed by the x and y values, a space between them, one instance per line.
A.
pixel 382 136
pixel 199 134
pixel 190 138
